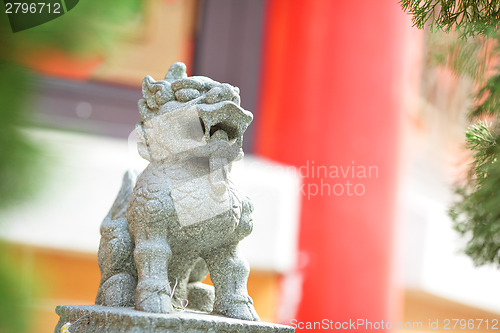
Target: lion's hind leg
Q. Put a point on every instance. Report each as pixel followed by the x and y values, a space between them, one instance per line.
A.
pixel 115 258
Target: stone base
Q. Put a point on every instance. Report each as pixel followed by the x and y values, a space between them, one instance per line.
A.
pixel 102 319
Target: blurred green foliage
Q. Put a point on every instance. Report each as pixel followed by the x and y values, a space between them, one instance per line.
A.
pixel 18 156
pixel 16 291
pixel 93 27
pixel 465 56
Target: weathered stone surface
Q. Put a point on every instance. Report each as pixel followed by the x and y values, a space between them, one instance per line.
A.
pixel 182 217
pixel 95 318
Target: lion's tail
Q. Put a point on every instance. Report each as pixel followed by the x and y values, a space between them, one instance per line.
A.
pixel 119 207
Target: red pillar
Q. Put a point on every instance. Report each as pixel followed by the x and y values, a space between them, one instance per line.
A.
pixel 329 98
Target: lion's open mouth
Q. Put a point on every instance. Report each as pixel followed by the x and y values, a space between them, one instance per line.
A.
pixel 224 116
pixel 225 126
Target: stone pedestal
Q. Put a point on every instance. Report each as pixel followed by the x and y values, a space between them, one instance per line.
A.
pixel 102 319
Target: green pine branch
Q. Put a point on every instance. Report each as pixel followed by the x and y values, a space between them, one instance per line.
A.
pixel 472 26
pixel 470 17
pixel 476 213
pixel 483 143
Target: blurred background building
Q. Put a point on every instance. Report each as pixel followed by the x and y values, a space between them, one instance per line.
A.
pixel 355 143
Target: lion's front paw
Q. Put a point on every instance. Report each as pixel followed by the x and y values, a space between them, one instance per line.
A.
pixel 151 297
pixel 238 307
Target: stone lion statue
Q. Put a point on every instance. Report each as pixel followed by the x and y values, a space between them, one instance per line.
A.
pixel 182 217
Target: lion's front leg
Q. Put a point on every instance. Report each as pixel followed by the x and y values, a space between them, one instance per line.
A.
pixel 229 273
pixel 152 255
